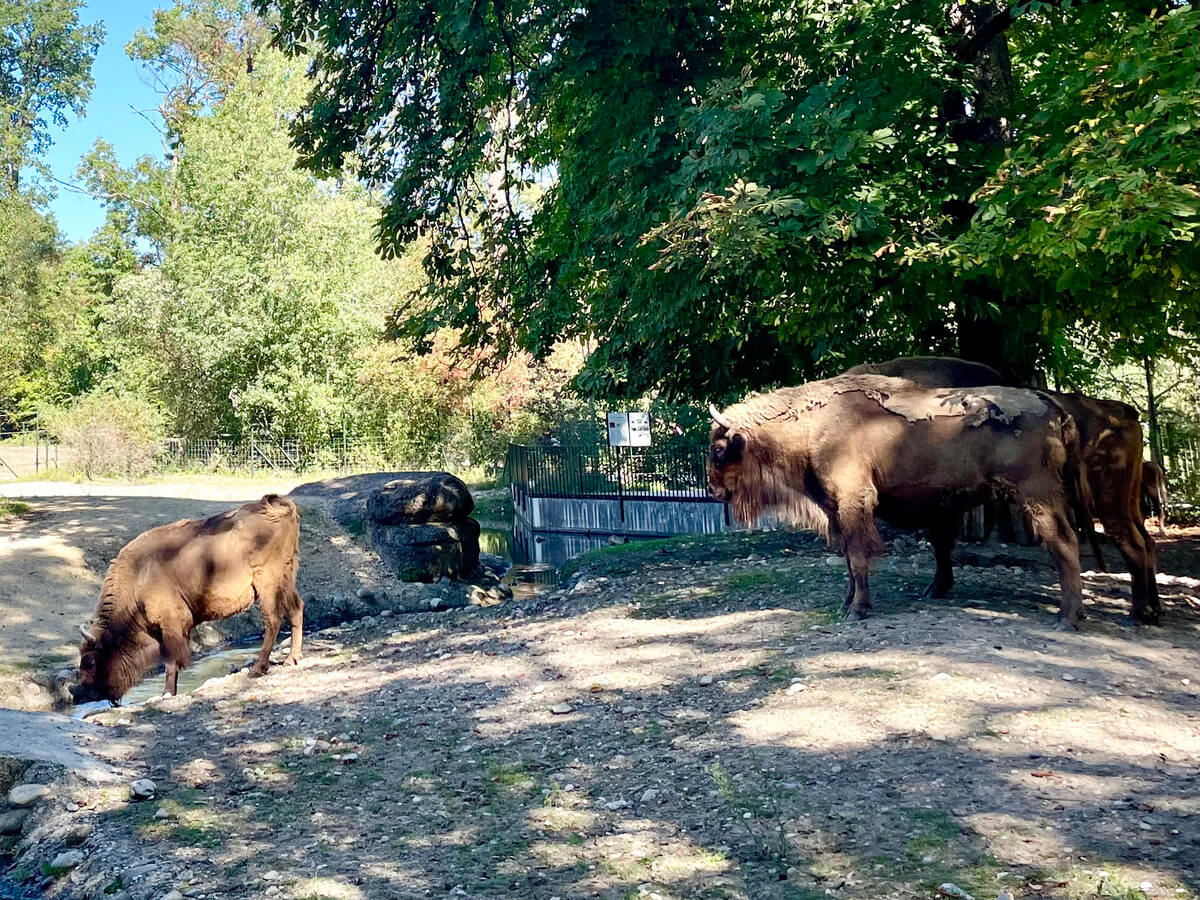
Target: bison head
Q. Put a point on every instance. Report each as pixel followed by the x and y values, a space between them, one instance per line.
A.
pixel 94 667
pixel 727 447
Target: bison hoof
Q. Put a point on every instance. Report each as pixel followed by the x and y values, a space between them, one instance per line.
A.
pixel 1066 625
pixel 857 614
pixel 293 659
pixel 1143 617
pixel 257 671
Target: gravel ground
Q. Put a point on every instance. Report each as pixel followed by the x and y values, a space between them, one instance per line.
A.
pixel 689 720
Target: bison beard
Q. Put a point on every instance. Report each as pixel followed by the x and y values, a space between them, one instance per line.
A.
pixel 832 454
pixel 170 578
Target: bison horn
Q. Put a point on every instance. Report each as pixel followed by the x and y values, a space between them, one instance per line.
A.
pixel 718 418
pixel 85 631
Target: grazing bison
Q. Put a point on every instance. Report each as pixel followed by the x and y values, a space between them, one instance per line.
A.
pixel 170 578
pixel 1154 493
pixel 1110 439
pixel 830 455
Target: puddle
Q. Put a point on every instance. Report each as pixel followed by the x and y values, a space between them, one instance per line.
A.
pixel 211 665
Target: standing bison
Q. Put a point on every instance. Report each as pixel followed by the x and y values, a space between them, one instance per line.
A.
pixel 830 455
pixel 170 578
pixel 1110 440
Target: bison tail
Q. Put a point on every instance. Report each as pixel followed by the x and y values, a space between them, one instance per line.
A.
pixel 277 507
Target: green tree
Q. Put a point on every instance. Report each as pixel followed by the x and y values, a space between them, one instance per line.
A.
pixel 45 72
pixel 732 195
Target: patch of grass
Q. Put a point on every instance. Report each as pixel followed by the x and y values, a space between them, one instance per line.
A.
pixel 10 508
pixel 498 508
pixel 935 823
pixel 509 780
pixel 113 886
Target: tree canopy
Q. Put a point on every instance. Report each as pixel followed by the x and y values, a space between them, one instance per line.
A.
pixel 723 196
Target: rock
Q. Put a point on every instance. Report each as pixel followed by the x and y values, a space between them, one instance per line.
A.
pixel 562 709
pixel 948 889
pixel 612 805
pixel 161 813
pixel 424 552
pixel 649 795
pixel 173 895
pixel 835 770
pixel 795 688
pixel 832 561
pixel 24 796
pixel 705 680
pixel 68 859
pixel 364 594
pixel 12 821
pixel 78 834
pixel 419 497
pixel 142 789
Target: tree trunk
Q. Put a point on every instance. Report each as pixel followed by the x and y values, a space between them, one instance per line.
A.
pixel 1152 413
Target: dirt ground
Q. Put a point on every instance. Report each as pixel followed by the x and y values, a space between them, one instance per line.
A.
pixel 688 720
pixel 53 559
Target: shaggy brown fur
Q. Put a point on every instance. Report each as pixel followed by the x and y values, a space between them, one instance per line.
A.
pixel 1154 493
pixel 832 454
pixel 170 578
pixel 1110 438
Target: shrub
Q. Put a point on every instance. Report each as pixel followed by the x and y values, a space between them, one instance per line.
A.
pixel 109 434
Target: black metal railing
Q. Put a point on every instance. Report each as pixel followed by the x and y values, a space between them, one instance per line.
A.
pixel 674 472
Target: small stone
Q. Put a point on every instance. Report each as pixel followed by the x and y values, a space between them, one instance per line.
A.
pixel 706 680
pixel 628 710
pixel 561 709
pixel 347 758
pixel 173 895
pixel 795 688
pixel 1004 895
pixel 364 594
pixel 25 795
pixel 616 804
pixel 649 795
pixel 385 614
pixel 68 859
pixel 940 738
pixel 948 889
pixel 72 806
pixel 835 770
pixel 142 789
pixel 833 561
pixel 79 833
pixel 12 821
pixel 1067 677
pixel 161 813
pixel 940 676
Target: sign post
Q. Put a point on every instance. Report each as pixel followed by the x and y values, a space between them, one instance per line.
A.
pixel 626 429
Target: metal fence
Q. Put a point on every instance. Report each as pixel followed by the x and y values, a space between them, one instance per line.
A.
pixel 675 471
pixel 25 454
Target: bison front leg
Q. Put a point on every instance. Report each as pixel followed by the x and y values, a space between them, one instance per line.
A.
pixel 862 541
pixel 177 655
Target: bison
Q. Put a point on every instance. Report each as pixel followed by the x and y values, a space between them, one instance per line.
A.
pixel 170 578
pixel 1110 438
pixel 831 455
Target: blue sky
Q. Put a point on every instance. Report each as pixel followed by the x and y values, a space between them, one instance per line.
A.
pixel 122 87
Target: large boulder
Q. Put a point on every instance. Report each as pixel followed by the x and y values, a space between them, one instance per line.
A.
pixel 426 551
pixel 418 497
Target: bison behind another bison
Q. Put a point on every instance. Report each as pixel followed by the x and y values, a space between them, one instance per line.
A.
pixel 169 579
